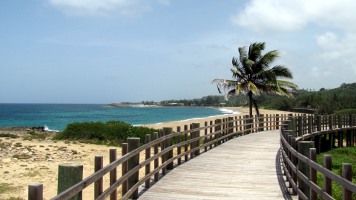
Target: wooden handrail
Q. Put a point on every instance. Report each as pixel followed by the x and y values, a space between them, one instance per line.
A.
pixel 289 133
pixel 229 128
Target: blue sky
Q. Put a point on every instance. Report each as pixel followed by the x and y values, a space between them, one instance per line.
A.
pixel 103 51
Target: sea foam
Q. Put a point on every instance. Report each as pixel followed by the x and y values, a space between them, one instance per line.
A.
pixel 228 111
pixel 49 130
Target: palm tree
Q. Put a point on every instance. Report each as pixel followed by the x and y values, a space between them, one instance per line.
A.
pixel 253 75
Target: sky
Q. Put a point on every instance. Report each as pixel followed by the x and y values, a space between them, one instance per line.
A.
pixel 104 51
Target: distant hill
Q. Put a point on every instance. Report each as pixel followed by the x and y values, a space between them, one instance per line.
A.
pixel 324 101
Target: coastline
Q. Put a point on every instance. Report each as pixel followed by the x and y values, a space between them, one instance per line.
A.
pixel 237 111
pixel 36 160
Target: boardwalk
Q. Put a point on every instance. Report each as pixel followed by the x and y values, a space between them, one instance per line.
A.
pixel 242 168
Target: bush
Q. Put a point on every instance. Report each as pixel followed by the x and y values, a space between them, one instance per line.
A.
pixel 345 112
pixel 112 132
pixel 339 156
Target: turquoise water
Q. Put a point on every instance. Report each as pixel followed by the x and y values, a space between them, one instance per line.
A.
pixel 57 116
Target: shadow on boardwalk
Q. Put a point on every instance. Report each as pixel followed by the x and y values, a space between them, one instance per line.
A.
pixel 247 167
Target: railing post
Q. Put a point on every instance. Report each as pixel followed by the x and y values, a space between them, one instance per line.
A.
pixel 348 138
pixel 292 123
pixel 179 149
pixel 327 181
pixel 339 123
pixel 98 185
pixel 289 154
pixel 195 135
pixel 156 161
pixel 318 125
pixel 186 139
pixel 277 121
pixel 255 123
pixel 241 124
pixel 223 130
pixel 231 127
pixel 166 132
pixel 248 124
pixel 124 150
pixel 331 122
pixel 332 140
pixel 217 128
pixel 346 174
pixel 303 148
pixel 35 192
pixel 313 177
pixel 261 123
pixel 133 143
pixel 340 139
pixel 267 125
pixel 340 133
pixel 295 163
pixel 349 133
pixel 211 136
pixel 205 136
pixel 163 156
pixel 300 126
pixel 147 156
pixel 113 173
pixel 310 124
pixel 68 175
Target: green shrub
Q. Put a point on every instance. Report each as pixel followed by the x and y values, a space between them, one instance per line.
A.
pixel 339 156
pixel 112 132
pixel 9 135
pixel 345 112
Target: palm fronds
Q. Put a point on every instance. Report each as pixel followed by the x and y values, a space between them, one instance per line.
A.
pixel 253 74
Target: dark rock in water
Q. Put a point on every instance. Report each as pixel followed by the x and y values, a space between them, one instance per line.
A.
pixel 27 129
pixel 39 128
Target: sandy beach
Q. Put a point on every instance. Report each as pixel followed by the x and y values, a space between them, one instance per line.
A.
pixel 26 159
pixel 240 110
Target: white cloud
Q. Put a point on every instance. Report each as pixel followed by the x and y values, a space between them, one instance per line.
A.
pixel 292 15
pixel 338 50
pixel 104 7
pixel 319 35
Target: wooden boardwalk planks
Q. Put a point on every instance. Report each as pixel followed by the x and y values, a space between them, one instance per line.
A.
pixel 243 168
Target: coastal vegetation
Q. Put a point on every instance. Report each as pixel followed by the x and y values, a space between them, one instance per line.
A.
pixel 252 75
pixel 339 156
pixel 340 100
pixel 111 133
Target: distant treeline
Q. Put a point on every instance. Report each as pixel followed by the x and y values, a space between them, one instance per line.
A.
pixel 324 101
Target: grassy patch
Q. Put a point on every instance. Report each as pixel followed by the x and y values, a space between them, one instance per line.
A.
pixel 34 135
pixel 4 145
pixel 345 112
pixel 8 135
pixel 15 198
pixel 32 173
pixel 18 144
pixel 339 156
pixel 21 156
pixel 5 187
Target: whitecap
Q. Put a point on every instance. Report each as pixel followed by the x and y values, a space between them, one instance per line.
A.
pixel 45 128
pixel 228 111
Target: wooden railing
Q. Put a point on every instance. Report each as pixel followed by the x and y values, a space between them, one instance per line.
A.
pixel 163 151
pixel 302 137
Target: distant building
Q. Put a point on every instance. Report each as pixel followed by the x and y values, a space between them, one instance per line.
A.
pixel 176 104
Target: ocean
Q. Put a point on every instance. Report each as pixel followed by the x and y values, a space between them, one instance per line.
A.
pixel 57 116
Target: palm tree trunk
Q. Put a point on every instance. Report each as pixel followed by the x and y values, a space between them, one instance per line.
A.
pixel 250 101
